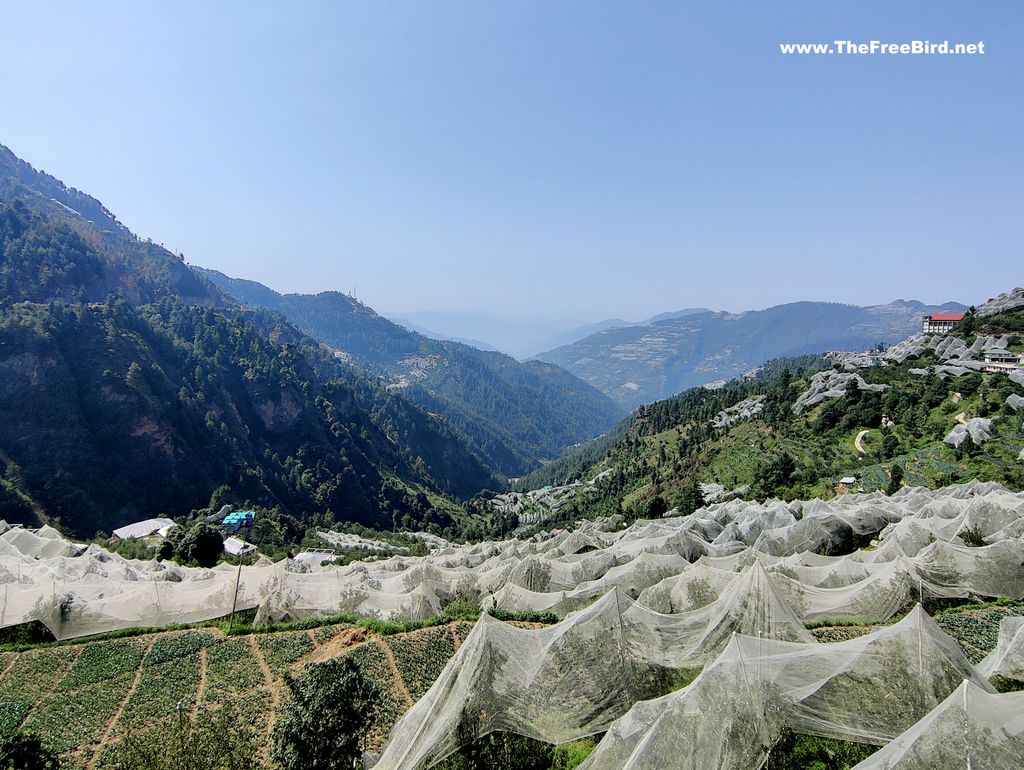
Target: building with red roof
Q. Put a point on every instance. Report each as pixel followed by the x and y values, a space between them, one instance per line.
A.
pixel 941 323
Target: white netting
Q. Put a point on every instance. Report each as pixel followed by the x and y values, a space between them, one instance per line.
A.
pixel 675 563
pixel 972 728
pixel 978 428
pixel 831 384
pixel 956 357
pixel 744 410
pixel 1007 659
pixel 716 493
pixel 727 589
pixel 574 678
pixel 867 689
pixel 1003 302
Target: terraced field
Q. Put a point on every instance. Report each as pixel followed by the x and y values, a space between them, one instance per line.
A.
pixel 82 698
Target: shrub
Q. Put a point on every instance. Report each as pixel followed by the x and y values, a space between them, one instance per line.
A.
pixel 23 750
pixel 202 544
pixel 803 752
pixel 219 740
pixel 569 755
pixel 507 751
pixel 973 537
pixel 690 498
pixel 325 722
pixel 895 480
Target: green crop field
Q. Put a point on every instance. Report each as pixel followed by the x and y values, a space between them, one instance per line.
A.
pixel 82 698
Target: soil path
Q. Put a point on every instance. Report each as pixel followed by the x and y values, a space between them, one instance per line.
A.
pixel 201 687
pixel 334 647
pixel 108 731
pixel 860 438
pixel 276 686
pixel 399 681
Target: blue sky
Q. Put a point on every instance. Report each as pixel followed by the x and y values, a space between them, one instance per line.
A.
pixel 574 160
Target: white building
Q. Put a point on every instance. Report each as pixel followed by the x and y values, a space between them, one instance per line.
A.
pixel 234 546
pixel 998 360
pixel 941 323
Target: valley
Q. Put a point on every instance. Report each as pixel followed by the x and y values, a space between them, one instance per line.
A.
pixel 512 414
pixel 511 386
pixel 811 554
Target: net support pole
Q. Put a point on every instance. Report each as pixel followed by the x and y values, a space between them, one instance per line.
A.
pixel 920 652
pixel 234 599
pixel 967 741
pixel 759 656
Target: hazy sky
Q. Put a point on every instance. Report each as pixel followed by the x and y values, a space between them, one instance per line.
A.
pixel 540 159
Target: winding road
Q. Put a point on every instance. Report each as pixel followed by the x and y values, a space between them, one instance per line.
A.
pixel 856 442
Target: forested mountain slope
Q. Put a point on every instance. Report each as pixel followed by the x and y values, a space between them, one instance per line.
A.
pixel 130 387
pixel 513 414
pixel 65 245
pixel 112 413
pixel 642 364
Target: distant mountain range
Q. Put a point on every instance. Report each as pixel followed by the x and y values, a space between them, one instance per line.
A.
pixel 640 364
pixel 518 337
pixel 514 415
pixel 132 385
pixel 415 327
pixel 521 338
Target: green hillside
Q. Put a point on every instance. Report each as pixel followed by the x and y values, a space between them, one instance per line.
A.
pixel 65 245
pixel 656 457
pixel 153 409
pixel 513 414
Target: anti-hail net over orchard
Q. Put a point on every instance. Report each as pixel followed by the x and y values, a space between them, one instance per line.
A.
pixel 672 566
pixel 721 595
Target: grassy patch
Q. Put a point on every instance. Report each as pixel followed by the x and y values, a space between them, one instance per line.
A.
pixel 162 690
pixel 281 650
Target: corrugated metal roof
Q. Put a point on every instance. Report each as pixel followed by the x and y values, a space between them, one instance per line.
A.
pixel 240 516
pixel 142 528
pixel 315 555
pixel 237 547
